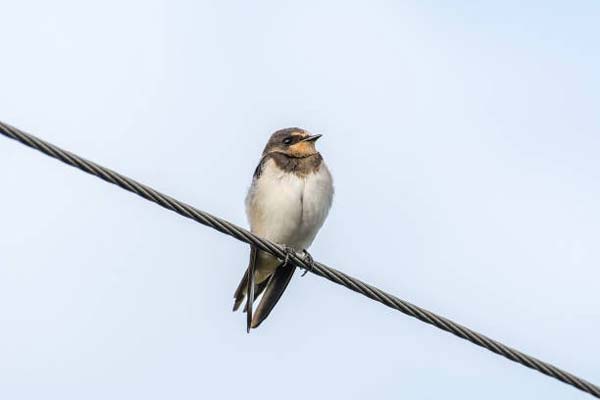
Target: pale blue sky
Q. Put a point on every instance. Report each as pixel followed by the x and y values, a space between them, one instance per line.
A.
pixel 464 142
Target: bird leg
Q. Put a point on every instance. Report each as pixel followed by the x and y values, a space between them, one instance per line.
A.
pixel 289 251
pixel 309 260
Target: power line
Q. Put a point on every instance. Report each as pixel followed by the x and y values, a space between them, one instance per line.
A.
pixel 317 268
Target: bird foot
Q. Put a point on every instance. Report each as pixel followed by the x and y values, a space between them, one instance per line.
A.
pixel 309 260
pixel 289 251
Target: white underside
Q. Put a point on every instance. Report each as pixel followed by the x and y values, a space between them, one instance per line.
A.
pixel 288 209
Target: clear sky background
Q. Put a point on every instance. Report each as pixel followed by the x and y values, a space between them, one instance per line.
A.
pixel 464 140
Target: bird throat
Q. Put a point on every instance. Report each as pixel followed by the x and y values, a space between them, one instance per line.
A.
pixel 301 166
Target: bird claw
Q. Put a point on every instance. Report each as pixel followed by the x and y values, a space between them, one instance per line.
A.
pixel 309 260
pixel 288 253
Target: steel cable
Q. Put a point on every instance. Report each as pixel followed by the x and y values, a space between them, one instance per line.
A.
pixel 317 268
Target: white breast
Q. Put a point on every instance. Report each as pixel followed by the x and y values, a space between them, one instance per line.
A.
pixel 288 209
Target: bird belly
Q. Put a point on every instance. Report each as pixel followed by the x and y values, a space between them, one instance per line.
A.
pixel 287 209
pixel 274 205
pixel 316 201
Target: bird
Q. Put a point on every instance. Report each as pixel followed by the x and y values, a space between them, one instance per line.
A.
pixel 287 203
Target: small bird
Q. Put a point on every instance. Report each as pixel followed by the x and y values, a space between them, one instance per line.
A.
pixel 287 203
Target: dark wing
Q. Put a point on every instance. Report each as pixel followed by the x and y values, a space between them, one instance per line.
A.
pixel 261 164
pixel 275 288
pixel 250 287
pixel 240 292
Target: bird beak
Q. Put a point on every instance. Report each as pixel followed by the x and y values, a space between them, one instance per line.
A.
pixel 311 138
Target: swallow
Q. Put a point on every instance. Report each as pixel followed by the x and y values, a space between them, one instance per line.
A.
pixel 287 203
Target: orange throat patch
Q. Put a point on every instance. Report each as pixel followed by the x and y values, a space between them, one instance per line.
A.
pixel 302 149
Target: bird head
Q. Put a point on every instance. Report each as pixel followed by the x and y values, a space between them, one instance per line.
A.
pixel 293 142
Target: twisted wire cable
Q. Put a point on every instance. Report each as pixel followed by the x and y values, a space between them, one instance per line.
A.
pixel 317 268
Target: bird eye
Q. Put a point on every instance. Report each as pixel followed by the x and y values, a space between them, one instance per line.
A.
pixel 287 141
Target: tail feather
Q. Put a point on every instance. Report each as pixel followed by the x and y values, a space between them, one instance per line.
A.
pixel 275 288
pixel 271 290
pixel 258 289
pixel 240 293
pixel 250 287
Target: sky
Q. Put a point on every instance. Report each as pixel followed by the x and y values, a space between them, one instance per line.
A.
pixel 463 139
